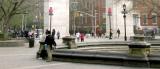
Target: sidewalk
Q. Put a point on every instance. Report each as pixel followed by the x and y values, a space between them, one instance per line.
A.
pixel 86 40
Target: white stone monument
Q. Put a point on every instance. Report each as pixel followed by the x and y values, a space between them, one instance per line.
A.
pixel 60 17
pixel 117 20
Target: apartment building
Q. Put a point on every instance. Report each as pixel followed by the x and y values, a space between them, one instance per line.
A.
pixel 148 14
pixel 87 15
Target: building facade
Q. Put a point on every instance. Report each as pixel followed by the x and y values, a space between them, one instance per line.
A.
pixel 117 20
pixel 87 16
pixel 60 18
pixel 147 14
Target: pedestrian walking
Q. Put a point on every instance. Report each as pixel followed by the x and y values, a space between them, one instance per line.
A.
pixel 118 32
pixel 58 35
pixel 53 33
pixel 82 37
pixel 111 34
pixel 77 36
pixel 92 34
pixel 153 34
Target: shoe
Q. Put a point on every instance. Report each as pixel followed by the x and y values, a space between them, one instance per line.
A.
pixel 38 55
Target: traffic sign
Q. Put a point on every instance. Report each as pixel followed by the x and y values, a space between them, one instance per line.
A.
pixel 50 11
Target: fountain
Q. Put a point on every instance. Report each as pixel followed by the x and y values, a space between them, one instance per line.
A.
pixel 137 53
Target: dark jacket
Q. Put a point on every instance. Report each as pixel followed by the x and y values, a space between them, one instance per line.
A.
pixel 50 40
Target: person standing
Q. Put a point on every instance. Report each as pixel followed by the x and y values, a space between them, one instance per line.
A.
pixel 31 39
pixel 50 40
pixel 118 32
pixel 42 52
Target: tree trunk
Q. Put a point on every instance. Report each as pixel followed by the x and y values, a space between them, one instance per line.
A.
pixel 5 26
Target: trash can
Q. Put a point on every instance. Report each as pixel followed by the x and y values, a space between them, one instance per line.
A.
pixel 31 42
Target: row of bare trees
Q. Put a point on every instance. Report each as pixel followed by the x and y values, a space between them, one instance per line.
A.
pixel 10 8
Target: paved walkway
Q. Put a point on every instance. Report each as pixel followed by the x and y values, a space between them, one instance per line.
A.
pixel 87 40
pixel 92 40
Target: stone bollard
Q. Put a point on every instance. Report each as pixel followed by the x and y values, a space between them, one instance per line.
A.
pixel 70 42
pixel 138 47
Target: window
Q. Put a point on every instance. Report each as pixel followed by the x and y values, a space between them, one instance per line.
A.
pixel 144 19
pixel 154 19
pixel 135 4
pixel 135 19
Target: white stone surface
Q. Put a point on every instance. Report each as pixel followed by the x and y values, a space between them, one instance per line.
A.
pixel 117 20
pixel 60 17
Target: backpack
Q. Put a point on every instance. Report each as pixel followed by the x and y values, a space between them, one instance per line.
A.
pixel 44 54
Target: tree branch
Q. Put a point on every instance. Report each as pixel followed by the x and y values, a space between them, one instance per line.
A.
pixel 17 5
pixel 2 7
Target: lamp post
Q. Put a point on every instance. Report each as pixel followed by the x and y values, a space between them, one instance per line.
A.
pixel 50 13
pixel 74 7
pixel 81 15
pixel 95 22
pixel 110 30
pixel 124 12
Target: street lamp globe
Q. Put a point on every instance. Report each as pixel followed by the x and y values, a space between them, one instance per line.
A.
pixel 124 6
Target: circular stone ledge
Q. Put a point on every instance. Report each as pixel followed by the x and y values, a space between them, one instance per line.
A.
pixel 106 58
pixel 12 43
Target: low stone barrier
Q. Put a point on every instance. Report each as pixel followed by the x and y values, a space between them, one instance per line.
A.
pixel 12 43
pixel 100 57
pixel 147 38
pixel 105 58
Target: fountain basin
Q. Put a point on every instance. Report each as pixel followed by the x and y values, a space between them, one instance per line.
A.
pixel 114 53
pixel 109 56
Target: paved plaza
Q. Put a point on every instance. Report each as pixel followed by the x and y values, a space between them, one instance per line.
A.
pixel 25 58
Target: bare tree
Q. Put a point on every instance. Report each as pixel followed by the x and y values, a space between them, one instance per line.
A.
pixel 10 8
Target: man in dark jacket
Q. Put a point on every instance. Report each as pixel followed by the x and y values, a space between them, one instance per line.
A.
pixel 50 40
